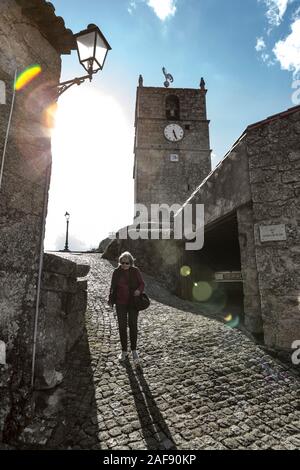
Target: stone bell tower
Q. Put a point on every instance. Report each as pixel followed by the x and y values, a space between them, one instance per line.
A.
pixel 172 150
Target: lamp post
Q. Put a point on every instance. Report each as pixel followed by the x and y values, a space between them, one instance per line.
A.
pixel 92 49
pixel 67 216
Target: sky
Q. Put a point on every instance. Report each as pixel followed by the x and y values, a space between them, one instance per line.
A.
pixel 248 52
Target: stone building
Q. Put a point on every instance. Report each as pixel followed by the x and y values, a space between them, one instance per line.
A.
pixel 172 152
pixel 251 202
pixel 250 259
pixel 31 34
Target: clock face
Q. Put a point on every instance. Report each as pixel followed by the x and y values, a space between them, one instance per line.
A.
pixel 173 132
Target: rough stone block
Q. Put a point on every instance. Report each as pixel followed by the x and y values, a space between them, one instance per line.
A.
pixel 58 265
pixel 283 308
pixel 82 270
pixel 82 285
pixel 270 192
pixel 290 176
pixel 282 334
pixel 275 258
pixel 293 156
pixel 5 395
pixel 253 323
pixel 262 175
pixel 12 292
pixel 48 379
pixel 20 241
pixel 59 283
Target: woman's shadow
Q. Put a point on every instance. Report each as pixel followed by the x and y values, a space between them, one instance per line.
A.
pixel 155 431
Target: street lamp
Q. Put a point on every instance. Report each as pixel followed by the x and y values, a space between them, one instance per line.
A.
pixel 67 216
pixel 92 49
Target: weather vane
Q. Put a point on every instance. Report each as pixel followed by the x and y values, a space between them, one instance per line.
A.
pixel 169 78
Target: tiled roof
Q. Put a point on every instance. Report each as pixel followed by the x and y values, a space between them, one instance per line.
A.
pixel 281 115
pixel 52 27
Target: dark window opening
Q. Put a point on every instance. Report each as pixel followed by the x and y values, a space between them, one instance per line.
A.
pixel 217 264
pixel 172 108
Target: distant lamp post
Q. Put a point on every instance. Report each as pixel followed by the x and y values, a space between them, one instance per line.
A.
pixel 92 49
pixel 67 216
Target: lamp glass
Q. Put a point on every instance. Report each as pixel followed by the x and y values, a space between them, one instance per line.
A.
pixel 101 50
pixel 86 50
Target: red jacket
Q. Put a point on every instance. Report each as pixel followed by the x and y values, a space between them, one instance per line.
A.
pixel 123 284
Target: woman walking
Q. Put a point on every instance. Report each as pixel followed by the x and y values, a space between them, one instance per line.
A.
pixel 126 284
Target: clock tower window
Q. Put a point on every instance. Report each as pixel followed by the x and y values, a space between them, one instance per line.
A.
pixel 172 108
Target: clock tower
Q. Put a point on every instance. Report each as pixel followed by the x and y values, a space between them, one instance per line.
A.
pixel 172 150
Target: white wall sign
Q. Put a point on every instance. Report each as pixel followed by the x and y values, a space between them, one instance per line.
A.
pixel 2 92
pixel 2 353
pixel 272 233
pixel 174 157
pixel 228 276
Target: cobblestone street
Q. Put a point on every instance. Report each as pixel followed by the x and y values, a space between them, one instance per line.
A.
pixel 202 385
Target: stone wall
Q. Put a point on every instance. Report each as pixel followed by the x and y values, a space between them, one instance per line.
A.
pixel 24 186
pixel 259 180
pixel 61 316
pixel 103 245
pixel 25 181
pixel 226 188
pixel 252 307
pixel 5 396
pixel 274 165
pixel 61 323
pixel 226 191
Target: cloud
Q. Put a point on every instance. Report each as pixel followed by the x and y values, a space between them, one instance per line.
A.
pixel 261 47
pixel 163 8
pixel 132 6
pixel 296 14
pixel 260 44
pixel 275 11
pixel 267 59
pixel 287 51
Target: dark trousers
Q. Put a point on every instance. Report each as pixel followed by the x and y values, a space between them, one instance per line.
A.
pixel 127 315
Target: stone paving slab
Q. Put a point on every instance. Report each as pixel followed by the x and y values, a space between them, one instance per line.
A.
pixel 202 385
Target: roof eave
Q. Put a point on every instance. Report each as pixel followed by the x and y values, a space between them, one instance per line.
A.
pixel 52 27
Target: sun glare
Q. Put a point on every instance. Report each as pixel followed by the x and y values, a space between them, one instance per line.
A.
pixel 92 169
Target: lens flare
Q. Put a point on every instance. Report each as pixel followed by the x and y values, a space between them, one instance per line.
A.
pixel 185 271
pixel 202 291
pixel 232 321
pixel 49 116
pixel 228 317
pixel 25 77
